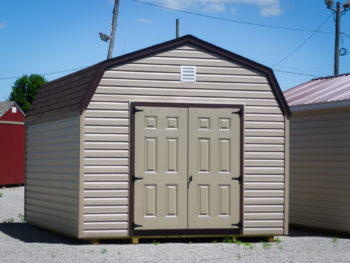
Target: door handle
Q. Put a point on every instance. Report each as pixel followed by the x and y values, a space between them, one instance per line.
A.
pixel 189 181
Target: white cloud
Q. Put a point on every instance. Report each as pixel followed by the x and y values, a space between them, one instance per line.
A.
pixel 2 25
pixel 267 7
pixel 233 10
pixel 144 20
pixel 215 7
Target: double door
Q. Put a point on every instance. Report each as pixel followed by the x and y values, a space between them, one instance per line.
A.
pixel 187 166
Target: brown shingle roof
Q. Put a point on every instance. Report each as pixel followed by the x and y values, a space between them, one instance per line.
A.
pixel 63 95
pixel 73 92
pixel 320 90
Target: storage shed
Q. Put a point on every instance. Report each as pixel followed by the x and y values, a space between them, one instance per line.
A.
pixel 320 153
pixel 12 144
pixel 181 138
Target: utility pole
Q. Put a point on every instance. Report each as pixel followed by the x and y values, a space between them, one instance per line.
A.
pixel 177 28
pixel 114 26
pixel 337 36
pixel 338 12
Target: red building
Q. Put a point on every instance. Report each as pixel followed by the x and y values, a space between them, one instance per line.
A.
pixel 12 143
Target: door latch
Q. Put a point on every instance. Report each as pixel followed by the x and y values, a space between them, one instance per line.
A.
pixel 189 181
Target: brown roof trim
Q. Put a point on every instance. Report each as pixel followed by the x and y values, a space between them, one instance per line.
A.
pixel 187 39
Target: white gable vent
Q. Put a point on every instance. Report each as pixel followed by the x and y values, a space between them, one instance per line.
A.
pixel 188 73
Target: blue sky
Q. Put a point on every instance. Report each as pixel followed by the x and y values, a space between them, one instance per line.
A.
pixel 44 36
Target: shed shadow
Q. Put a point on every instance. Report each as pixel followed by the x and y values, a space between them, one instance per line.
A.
pixel 31 234
pixel 302 231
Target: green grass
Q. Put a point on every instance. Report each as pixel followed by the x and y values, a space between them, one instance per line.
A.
pixel 238 242
pixel 214 241
pixel 227 240
pixel 247 244
pixel 266 245
pixel 335 240
pixel 277 240
pixel 103 251
pixel 155 242
pixel 1 194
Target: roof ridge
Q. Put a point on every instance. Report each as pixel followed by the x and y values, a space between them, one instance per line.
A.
pixel 7 105
pixel 331 76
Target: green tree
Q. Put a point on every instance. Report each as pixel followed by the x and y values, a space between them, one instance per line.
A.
pixel 25 88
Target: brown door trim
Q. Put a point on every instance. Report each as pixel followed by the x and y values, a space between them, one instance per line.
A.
pixel 133 232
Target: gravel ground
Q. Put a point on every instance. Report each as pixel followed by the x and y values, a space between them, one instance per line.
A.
pixel 20 242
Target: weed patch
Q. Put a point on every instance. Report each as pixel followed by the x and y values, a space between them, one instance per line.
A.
pixel 277 240
pixel 248 245
pixel 335 240
pixel 266 245
pixel 227 240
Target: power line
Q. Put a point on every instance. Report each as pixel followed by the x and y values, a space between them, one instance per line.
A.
pixel 296 73
pixel 67 70
pixel 303 43
pixel 233 20
pixel 48 73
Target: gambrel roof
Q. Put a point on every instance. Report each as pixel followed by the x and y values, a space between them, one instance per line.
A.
pixel 72 93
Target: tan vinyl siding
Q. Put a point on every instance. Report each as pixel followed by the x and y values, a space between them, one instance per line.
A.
pixel 319 170
pixel 52 175
pixel 156 79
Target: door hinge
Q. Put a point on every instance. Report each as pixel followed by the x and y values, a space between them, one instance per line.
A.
pixel 134 110
pixel 240 112
pixel 135 225
pixel 239 224
pixel 134 178
pixel 239 179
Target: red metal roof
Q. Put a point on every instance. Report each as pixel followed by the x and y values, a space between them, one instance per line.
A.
pixel 320 90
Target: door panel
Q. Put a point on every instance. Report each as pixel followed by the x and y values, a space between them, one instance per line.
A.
pixel 160 200
pixel 188 159
pixel 214 147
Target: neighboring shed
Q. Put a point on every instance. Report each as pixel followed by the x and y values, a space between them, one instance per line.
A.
pixel 12 144
pixel 181 138
pixel 320 153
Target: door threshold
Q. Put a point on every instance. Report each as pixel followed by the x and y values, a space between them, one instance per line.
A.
pixel 186 232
